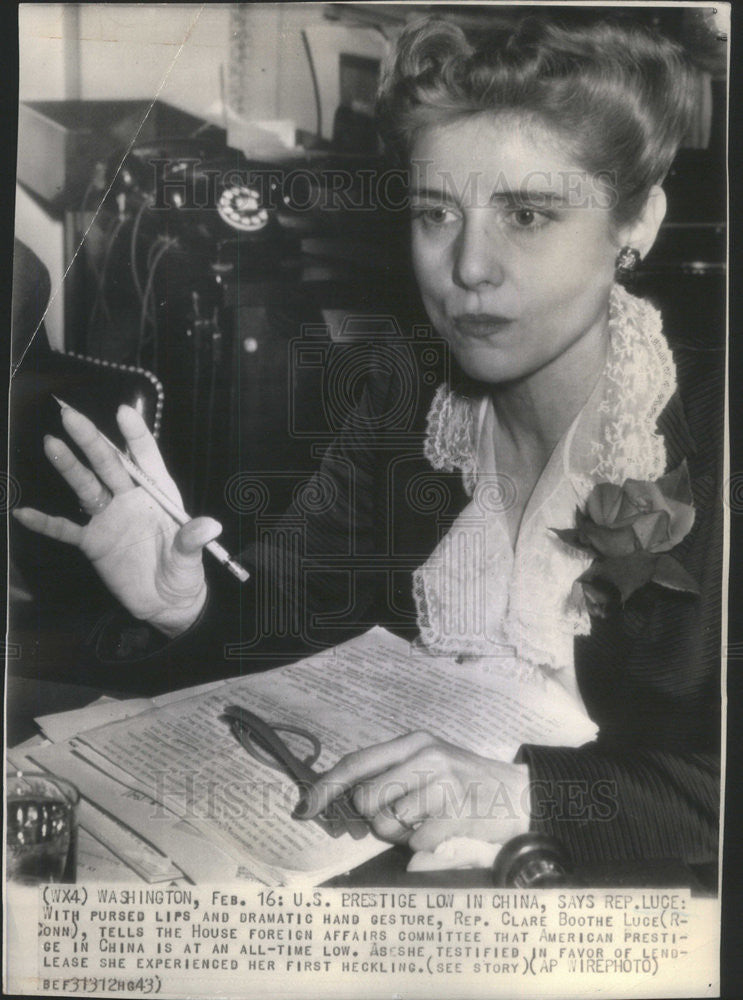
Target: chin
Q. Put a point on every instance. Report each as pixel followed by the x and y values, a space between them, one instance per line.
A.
pixel 485 370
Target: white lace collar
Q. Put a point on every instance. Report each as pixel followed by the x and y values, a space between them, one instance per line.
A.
pixel 474 594
pixel 640 378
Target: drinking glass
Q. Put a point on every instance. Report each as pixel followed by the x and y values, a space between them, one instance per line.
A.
pixel 41 828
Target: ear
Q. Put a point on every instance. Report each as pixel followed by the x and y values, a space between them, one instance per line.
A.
pixel 642 231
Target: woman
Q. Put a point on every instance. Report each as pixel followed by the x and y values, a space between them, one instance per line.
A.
pixel 536 164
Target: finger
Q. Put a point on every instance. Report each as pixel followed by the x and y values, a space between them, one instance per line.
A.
pixel 399 800
pixel 429 783
pixel 386 827
pixel 391 787
pixel 494 813
pixel 401 819
pixel 406 814
pixel 180 574
pixel 53 527
pixel 87 487
pixel 357 766
pixel 103 460
pixel 397 820
pixel 145 451
pixel 193 536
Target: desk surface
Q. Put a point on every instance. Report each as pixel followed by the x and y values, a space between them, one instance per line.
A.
pixel 27 698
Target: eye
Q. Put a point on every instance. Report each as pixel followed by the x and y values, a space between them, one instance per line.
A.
pixel 434 215
pixel 523 217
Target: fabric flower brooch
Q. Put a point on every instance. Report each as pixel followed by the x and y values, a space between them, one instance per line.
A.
pixel 629 530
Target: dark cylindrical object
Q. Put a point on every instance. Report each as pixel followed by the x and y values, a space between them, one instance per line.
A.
pixel 529 861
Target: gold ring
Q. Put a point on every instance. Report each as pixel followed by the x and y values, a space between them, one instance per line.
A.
pixel 403 822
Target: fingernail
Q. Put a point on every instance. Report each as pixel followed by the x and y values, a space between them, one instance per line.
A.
pixel 50 447
pixel 70 413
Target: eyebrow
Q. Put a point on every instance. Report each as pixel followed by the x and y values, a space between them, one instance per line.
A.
pixel 518 197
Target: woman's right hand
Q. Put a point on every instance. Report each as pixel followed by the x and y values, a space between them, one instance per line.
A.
pixel 153 566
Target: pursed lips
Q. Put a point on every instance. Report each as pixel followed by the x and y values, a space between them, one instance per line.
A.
pixel 480 325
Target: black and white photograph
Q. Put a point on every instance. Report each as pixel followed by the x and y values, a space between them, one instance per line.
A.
pixel 368 500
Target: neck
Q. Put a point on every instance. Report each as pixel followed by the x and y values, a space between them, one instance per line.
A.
pixel 537 410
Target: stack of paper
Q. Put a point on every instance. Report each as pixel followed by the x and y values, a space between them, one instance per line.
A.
pixel 171 769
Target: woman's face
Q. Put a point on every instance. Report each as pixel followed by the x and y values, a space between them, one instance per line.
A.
pixel 512 246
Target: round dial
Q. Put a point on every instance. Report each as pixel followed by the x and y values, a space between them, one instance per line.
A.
pixel 240 208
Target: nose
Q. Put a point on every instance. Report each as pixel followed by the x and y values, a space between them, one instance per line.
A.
pixel 478 254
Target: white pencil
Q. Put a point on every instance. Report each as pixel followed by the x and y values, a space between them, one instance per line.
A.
pixel 177 513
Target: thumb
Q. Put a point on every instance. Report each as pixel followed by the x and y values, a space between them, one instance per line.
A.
pixel 193 536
